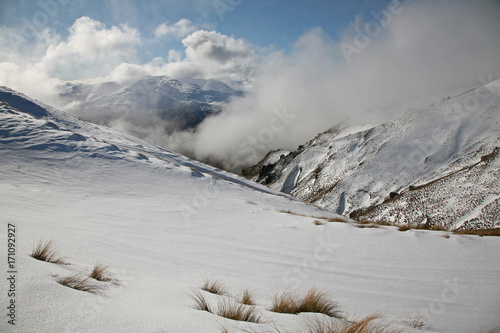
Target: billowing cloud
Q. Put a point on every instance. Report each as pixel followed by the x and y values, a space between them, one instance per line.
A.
pixel 404 52
pixel 207 55
pixel 90 50
pixel 213 46
pixel 180 29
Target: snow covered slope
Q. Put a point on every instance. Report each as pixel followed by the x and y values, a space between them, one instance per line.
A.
pixel 346 170
pixel 164 224
pixel 180 104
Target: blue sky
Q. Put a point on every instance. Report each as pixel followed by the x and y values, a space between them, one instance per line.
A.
pixel 262 23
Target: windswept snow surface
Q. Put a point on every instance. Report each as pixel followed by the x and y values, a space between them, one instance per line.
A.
pixel 164 224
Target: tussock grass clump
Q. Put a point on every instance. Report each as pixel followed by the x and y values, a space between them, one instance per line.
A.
pixel 215 287
pixel 313 301
pixel 101 272
pixel 75 281
pixel 227 308
pixel 247 297
pixel 365 325
pixel 234 311
pixel 286 302
pixel 201 302
pixel 318 222
pixel 46 251
pixel 319 302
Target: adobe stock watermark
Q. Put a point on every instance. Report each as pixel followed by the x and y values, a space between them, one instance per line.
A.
pixel 420 150
pixel 199 199
pixel 323 251
pixel 48 9
pixel 249 150
pixel 438 306
pixel 364 35
pixel 223 6
pixel 89 309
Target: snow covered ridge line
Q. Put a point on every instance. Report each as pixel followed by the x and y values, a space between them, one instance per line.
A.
pixel 103 137
pixel 452 141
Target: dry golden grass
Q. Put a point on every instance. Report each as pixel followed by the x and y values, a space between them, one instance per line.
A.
pixel 46 251
pixel 201 302
pixel 227 308
pixel 214 287
pixel 313 301
pixel 367 225
pixel 482 232
pixel 319 302
pixel 337 219
pixel 101 272
pixel 231 310
pixel 365 325
pixel 286 302
pixel 318 222
pixel 75 281
pixel 291 212
pixel 247 297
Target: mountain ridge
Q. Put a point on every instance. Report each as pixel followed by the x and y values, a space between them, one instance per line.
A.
pixel 349 173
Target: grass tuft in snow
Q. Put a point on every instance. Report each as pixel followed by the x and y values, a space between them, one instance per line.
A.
pixel 313 301
pixel 286 302
pixel 319 302
pixel 227 308
pixel 75 281
pixel 46 251
pixel 318 222
pixel 247 297
pixel 215 287
pixel 365 325
pixel 101 272
pixel 231 310
pixel 201 302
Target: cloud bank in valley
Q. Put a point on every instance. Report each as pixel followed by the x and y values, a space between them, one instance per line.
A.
pixel 412 50
pixel 402 52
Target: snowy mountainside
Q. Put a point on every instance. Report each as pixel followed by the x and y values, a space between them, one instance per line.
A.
pixel 180 103
pixel 164 224
pixel 348 170
pixel 55 131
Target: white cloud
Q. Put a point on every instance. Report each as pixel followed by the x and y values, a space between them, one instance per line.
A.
pixel 174 55
pixel 180 29
pixel 217 55
pixel 90 50
pixel 429 47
